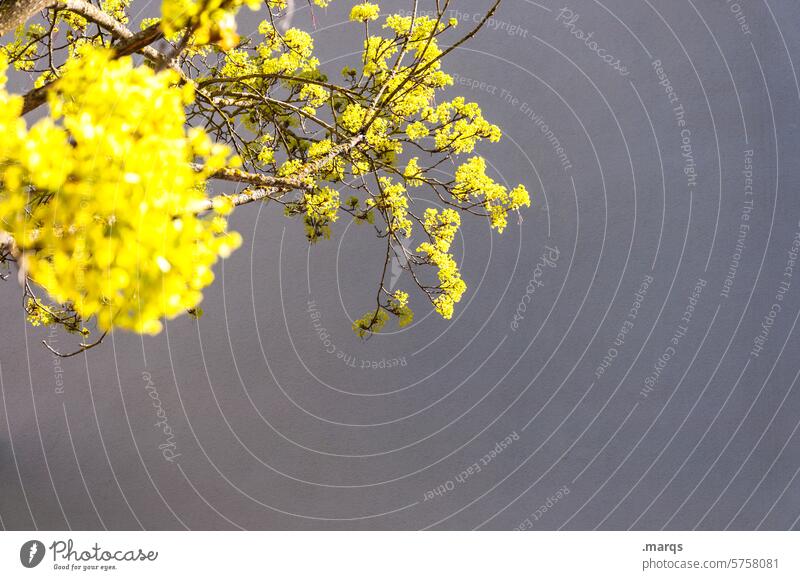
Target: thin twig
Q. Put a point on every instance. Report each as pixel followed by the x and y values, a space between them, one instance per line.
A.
pixel 83 347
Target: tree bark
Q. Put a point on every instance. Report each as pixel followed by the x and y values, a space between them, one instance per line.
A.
pixel 15 12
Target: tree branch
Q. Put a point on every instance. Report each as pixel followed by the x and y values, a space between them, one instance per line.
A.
pixel 129 43
pixel 109 23
pixel 296 181
pixel 16 12
pixel 257 179
pixel 83 347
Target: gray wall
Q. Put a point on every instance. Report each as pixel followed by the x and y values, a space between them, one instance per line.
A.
pixel 486 421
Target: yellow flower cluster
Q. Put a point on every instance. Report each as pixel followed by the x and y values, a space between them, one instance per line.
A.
pixel 413 172
pixel 372 321
pixel 297 51
pixel 209 20
pixel 364 12
pixel 421 36
pixel 314 95
pixel 40 314
pixel 238 63
pixel 442 227
pixel 462 126
pixel 290 54
pixel 353 117
pixel 321 209
pixel 398 305
pixel 37 315
pixel 417 130
pixel 101 196
pixel 394 202
pixel 417 97
pixel 471 182
pixel 116 8
pixel 23 49
pixel 377 51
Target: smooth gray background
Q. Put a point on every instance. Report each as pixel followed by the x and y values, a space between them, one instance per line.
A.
pixel 276 433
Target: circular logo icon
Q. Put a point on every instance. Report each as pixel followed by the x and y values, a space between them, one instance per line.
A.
pixel 31 553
